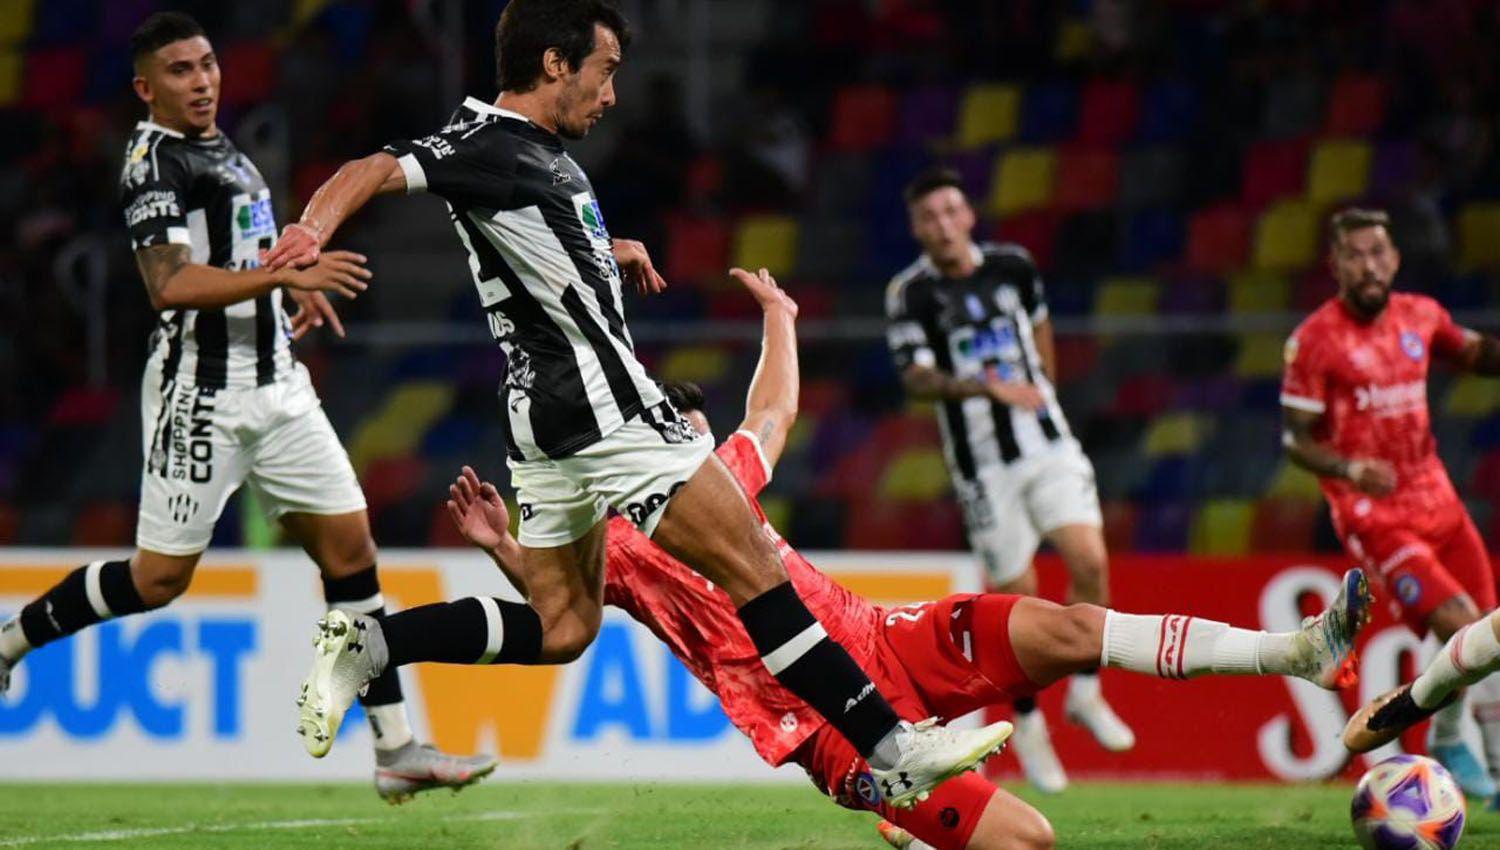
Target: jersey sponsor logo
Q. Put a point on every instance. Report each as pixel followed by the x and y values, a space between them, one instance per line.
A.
pixel 154 203
pixel 592 218
pixel 191 453
pixel 559 176
pixel 1411 343
pixel 439 146
pixel 255 219
pixel 994 347
pixel 1391 399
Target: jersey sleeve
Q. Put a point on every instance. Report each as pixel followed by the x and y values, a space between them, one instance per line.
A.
pixel 1304 379
pixel 905 333
pixel 154 193
pixel 1034 294
pixel 747 461
pixel 469 164
pixel 1448 336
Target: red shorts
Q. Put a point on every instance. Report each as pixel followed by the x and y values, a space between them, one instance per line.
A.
pixel 1425 565
pixel 945 659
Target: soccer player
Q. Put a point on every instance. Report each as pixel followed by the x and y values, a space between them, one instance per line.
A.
pixel 587 428
pixel 1354 402
pixel 223 401
pixel 969 331
pixel 947 657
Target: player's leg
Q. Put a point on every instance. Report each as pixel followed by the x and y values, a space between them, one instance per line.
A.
pixel 1465 557
pixel 969 813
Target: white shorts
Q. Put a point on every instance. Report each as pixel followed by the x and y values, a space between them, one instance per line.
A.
pixel 636 469
pixel 200 445
pixel 1009 509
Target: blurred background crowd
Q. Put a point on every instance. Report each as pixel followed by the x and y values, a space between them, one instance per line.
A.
pixel 1170 169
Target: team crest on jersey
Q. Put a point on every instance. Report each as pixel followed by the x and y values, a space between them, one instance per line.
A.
pixel 1411 343
pixel 559 176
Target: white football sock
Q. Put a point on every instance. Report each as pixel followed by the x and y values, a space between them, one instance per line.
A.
pixel 1176 646
pixel 13 643
pixel 1471 654
pixel 389 724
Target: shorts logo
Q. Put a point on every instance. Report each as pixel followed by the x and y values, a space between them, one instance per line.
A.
pixel 789 722
pixel 864 789
pixel 1411 343
pixel 528 510
pixel 1408 589
pixel 858 698
pixel 191 443
pixel 948 817
pixel 183 508
pixel 641 511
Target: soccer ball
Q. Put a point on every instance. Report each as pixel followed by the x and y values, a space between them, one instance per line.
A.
pixel 1408 803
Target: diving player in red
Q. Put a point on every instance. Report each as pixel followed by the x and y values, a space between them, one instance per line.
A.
pixel 944 658
pixel 1354 398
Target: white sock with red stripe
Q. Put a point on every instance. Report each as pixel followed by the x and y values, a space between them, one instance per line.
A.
pixel 1471 654
pixel 1176 646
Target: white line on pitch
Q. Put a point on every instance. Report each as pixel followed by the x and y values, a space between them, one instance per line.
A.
pixel 306 823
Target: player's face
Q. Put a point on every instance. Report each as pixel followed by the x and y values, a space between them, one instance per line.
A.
pixel 942 221
pixel 180 82
pixel 590 90
pixel 1364 262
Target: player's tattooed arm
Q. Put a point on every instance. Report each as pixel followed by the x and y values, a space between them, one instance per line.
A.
pixel 771 406
pixel 158 264
pixel 173 281
pixel 1303 448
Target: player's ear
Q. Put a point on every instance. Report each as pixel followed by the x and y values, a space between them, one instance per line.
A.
pixel 555 65
pixel 142 88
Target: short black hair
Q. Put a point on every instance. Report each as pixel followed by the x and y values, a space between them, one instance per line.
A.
pixel 930 180
pixel 1350 219
pixel 160 30
pixel 685 396
pixel 528 28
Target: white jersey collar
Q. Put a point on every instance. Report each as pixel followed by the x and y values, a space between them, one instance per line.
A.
pixel 478 105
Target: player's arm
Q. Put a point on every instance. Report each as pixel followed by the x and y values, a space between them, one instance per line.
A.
pixel 334 202
pixel 1304 449
pixel 173 281
pixel 482 518
pixel 1479 353
pixel 927 383
pixel 771 407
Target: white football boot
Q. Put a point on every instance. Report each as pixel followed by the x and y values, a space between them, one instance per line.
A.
pixel 1086 706
pixel 349 651
pixel 1325 644
pixel 1033 747
pixel 932 754
pixel 413 768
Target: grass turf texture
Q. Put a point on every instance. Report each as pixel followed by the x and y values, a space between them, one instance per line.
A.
pixel 556 816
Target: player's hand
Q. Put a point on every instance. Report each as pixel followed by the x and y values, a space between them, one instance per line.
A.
pixel 635 265
pixel 766 292
pixel 343 272
pixel 1017 394
pixel 1374 477
pixel 299 246
pixel 313 311
pixel 478 510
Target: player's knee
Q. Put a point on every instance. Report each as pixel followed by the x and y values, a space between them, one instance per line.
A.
pixel 344 557
pixel 1027 829
pixel 160 582
pixel 565 638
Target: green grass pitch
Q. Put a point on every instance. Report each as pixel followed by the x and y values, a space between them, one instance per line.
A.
pixel 584 816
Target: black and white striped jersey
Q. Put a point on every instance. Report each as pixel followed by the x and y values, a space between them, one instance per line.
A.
pixel 545 269
pixel 978 327
pixel 205 194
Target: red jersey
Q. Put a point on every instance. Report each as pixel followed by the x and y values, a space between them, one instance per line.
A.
pixel 1369 381
pixel 699 623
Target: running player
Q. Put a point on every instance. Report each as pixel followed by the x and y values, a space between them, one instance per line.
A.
pixel 1354 400
pixel 223 401
pixel 587 428
pixel 969 331
pixel 944 658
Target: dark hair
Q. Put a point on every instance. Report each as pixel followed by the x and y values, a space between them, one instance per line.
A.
pixel 528 28
pixel 160 30
pixel 1350 219
pixel 930 180
pixel 685 396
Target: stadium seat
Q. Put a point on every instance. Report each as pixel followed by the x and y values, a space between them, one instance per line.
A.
pixel 1119 525
pixel 1175 434
pixel 1190 295
pixel 1171 479
pixel 1486 433
pixel 104 524
pixel 1479 236
pixel 1075 40
pixel 901 525
pixel 989 113
pixel 918 474
pixel 1273 169
pixel 974 168
pixel 16 19
pixel 1339 170
pixel 1023 180
pixel 54 77
pixel 1258 292
pixel 1169 109
pixel 1151 176
pixel 1127 296
pixel 1153 237
pixel 1293 482
pixel 1260 355
pixel 1048 112
pixel 1163 527
pixel 926 114
pixel 829 249
pixel 11 76
pixel 1395 165
pixel 697 248
pixel 1472 396
pixel 1089 180
pixel 1284 525
pixel 1286 237
pixel 400 422
pixel 249 73
pixel 863 118
pixel 1485 481
pixel 83 406
pixel 1292 105
pixel 1222 527
pixel 768 241
pixel 1108 111
pixel 1218 239
pixel 701 364
pixel 392 480
pixel 1036 231
pixel 1356 106
pixel 1144 395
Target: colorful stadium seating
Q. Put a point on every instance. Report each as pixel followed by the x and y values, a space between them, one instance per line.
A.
pixel 988 113
pixel 1023 180
pixel 1339 170
pixel 768 241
